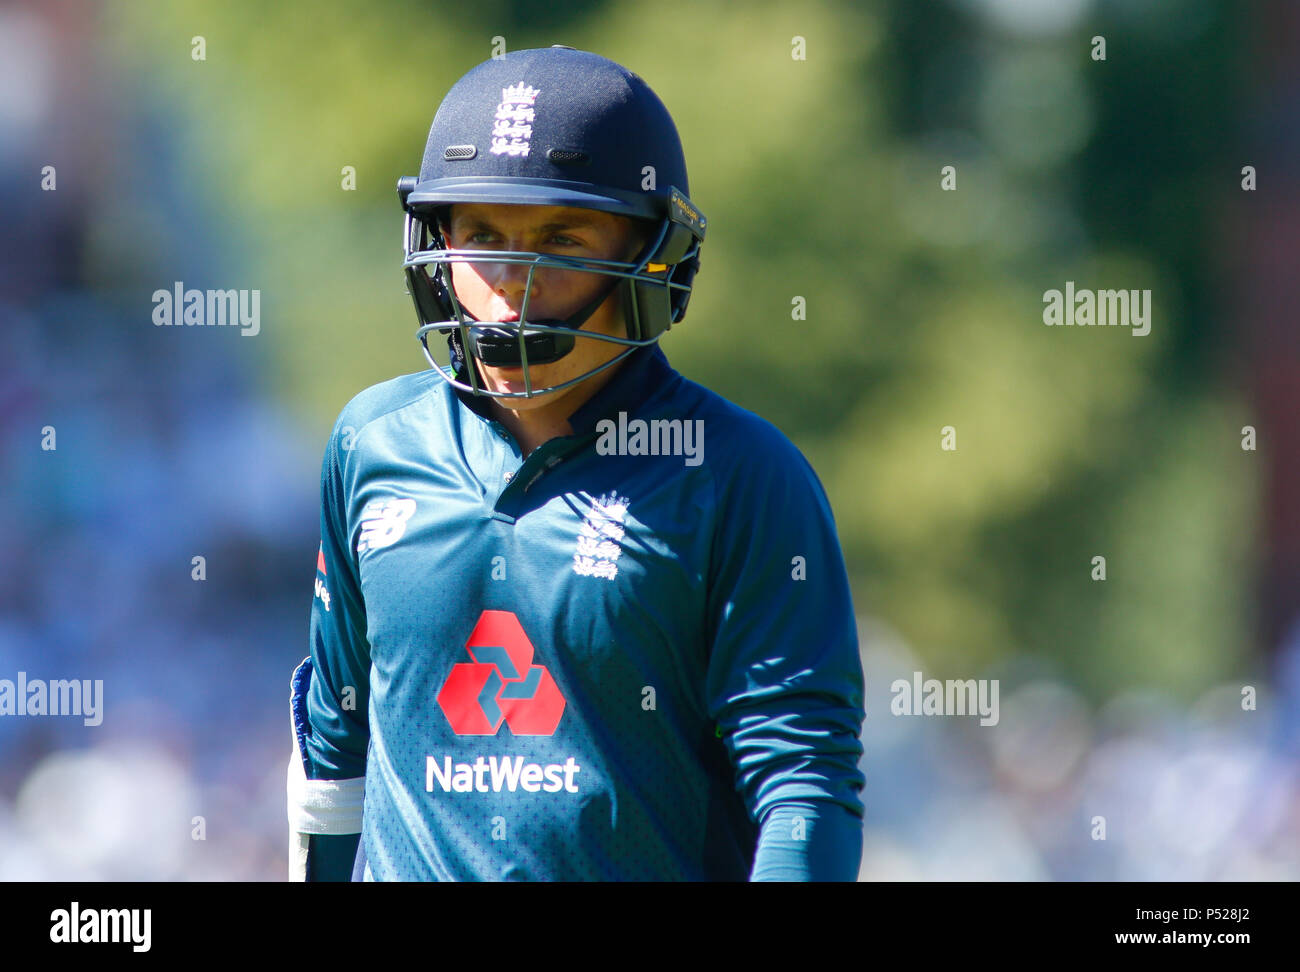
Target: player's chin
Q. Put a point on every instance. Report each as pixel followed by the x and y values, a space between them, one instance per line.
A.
pixel 510 381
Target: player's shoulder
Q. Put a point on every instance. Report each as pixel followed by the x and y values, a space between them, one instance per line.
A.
pixel 757 471
pixel 752 463
pixel 388 398
pixel 738 437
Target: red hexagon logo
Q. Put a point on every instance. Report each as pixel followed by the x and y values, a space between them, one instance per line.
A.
pixel 501 684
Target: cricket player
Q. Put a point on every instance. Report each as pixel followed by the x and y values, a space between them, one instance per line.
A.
pixel 576 617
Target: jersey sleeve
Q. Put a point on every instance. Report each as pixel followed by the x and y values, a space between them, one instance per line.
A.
pixel 338 701
pixel 784 682
pixel 330 698
pixel 808 840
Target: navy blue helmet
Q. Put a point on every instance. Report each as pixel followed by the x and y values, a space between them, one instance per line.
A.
pixel 550 127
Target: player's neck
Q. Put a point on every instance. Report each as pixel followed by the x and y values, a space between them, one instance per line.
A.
pixel 535 426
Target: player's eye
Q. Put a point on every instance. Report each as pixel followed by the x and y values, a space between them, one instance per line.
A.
pixel 483 237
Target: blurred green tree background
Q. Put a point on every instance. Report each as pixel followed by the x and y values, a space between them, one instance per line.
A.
pixel 821 179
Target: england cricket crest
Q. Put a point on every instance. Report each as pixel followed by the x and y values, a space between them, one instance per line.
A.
pixel 512 126
pixel 599 543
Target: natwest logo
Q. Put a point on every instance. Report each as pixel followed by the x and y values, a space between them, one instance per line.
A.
pixel 500 684
pixel 506 772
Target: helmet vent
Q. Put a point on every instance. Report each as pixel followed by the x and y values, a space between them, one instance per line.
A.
pixel 568 157
pixel 459 153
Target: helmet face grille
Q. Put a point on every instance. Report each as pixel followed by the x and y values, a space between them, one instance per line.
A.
pixel 459 153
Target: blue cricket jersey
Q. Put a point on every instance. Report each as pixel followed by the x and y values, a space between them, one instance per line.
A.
pixel 617 659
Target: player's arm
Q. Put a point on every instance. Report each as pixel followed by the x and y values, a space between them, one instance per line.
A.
pixel 785 682
pixel 330 698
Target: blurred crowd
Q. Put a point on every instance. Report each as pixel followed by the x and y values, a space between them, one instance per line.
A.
pixel 126 452
pixel 161 456
pixel 1138 789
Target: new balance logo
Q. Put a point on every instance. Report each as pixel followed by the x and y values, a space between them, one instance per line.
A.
pixel 383 521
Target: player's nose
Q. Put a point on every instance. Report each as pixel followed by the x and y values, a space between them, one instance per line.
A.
pixel 510 280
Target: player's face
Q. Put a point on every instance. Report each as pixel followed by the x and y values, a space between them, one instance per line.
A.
pixel 495 291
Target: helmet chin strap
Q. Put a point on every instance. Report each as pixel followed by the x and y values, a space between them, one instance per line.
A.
pixel 498 347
